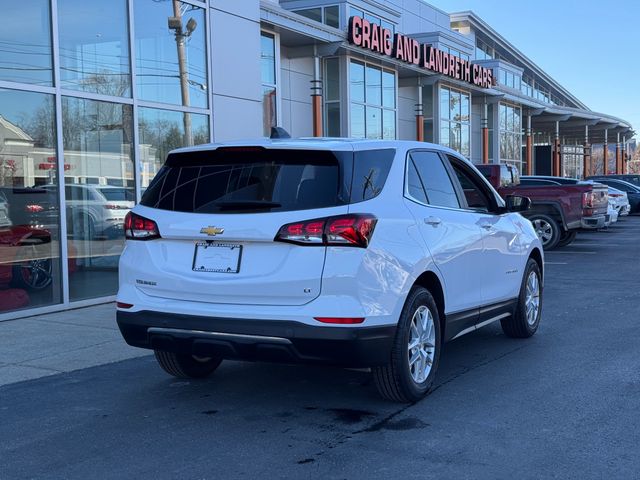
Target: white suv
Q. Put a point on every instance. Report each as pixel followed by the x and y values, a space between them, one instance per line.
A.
pixel 348 252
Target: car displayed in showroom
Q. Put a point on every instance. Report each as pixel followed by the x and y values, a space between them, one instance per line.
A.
pixel 356 253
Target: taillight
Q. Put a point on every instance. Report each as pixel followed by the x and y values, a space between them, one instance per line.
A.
pixel 34 208
pixel 615 194
pixel 140 228
pixel 345 230
pixel 587 199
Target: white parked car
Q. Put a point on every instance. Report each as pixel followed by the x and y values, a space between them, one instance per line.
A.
pixel 348 252
pixel 619 200
pixel 96 210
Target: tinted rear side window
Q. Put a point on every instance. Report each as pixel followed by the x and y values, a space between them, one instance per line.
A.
pixel 244 180
pixel 117 194
pixel 370 171
pixel 249 180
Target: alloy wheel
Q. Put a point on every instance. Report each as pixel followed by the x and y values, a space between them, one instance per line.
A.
pixel 422 344
pixel 532 298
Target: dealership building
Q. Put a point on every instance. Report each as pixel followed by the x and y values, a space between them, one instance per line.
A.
pixel 93 95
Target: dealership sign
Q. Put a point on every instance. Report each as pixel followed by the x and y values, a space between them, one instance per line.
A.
pixel 372 36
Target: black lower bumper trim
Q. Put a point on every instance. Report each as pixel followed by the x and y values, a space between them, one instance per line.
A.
pixel 261 340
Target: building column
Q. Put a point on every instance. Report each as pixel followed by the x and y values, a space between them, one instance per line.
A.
pixel 586 160
pixel 484 122
pixel 618 153
pixel 529 147
pixel 605 153
pixel 623 157
pixel 316 98
pixel 556 151
pixel 419 117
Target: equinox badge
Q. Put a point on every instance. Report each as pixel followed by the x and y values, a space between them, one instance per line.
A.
pixel 212 231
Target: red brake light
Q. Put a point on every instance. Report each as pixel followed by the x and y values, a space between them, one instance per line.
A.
pixel 140 228
pixel 340 320
pixel 346 230
pixel 615 194
pixel 34 208
pixel 124 305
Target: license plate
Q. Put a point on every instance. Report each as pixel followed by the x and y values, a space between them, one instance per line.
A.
pixel 217 257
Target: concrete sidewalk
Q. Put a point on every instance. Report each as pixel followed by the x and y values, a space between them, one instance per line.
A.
pixel 61 342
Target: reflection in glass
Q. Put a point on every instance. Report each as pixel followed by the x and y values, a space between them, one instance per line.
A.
pixel 374 86
pixel 388 89
pixel 333 119
pixel 171 63
pixel 356 79
pixel 444 103
pixel 99 191
pixel 25 42
pixel 94 46
pixel 161 131
pixel 332 16
pixel 269 117
pixel 357 121
pixel 332 81
pixel 268 58
pixel 374 122
pixel 29 210
pixel 389 125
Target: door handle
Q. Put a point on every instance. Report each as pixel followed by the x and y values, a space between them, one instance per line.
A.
pixel 433 221
pixel 487 226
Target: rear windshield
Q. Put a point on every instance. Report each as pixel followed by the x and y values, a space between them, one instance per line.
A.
pixel 117 194
pixel 247 180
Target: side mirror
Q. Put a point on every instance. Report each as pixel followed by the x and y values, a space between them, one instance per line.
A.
pixel 517 203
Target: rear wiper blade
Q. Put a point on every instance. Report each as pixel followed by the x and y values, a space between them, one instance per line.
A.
pixel 246 204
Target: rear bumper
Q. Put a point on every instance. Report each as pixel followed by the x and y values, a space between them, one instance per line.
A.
pixel 594 222
pixel 262 340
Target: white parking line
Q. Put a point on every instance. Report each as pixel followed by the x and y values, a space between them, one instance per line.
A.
pixel 571 251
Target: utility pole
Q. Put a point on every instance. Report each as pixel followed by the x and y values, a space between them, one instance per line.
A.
pixel 175 24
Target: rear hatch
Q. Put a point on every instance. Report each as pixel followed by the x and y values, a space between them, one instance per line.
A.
pixel 218 212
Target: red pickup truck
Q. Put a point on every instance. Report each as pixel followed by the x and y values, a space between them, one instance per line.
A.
pixel 557 211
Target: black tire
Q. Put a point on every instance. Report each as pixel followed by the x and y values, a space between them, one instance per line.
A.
pixel 547 229
pixel 566 238
pixel 33 275
pixel 395 380
pixel 518 325
pixel 186 366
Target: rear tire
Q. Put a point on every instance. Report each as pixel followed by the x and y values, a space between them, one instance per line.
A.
pixel 526 319
pixel 186 366
pixel 547 229
pixel 566 238
pixel 411 369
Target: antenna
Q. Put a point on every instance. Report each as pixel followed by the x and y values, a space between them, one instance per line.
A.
pixel 279 132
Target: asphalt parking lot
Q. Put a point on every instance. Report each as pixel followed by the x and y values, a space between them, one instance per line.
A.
pixel 563 404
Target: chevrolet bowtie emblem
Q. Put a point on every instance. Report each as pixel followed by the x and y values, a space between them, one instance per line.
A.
pixel 212 231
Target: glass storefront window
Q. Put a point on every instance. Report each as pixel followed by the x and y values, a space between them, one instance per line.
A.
pixel 356 80
pixel 373 90
pixel 99 191
pixel 268 73
pixel 171 62
pixel 25 42
pixel 332 97
pixel 511 134
pixel 30 274
pixel 161 131
pixel 94 46
pixel 455 120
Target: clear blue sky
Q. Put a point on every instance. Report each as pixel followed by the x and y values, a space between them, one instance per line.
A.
pixel 590 47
